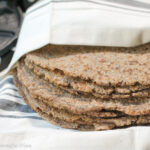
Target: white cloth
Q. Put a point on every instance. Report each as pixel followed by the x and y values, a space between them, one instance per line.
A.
pixel 84 22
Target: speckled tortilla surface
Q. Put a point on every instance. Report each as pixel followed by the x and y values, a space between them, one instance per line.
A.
pixel 87 88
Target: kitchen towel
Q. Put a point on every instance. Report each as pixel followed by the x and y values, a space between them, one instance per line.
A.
pixel 123 23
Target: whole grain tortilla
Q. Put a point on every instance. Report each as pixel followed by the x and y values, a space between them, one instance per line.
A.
pixel 76 86
pixel 66 120
pixel 111 67
pixel 61 99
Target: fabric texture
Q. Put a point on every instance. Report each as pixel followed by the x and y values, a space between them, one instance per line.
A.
pixel 83 22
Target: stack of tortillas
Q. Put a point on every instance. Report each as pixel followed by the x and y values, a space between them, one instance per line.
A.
pixel 86 87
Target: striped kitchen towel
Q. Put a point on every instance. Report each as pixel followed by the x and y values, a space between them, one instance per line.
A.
pixel 11 104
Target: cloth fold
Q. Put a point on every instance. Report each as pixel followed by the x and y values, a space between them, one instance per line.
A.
pixel 83 22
